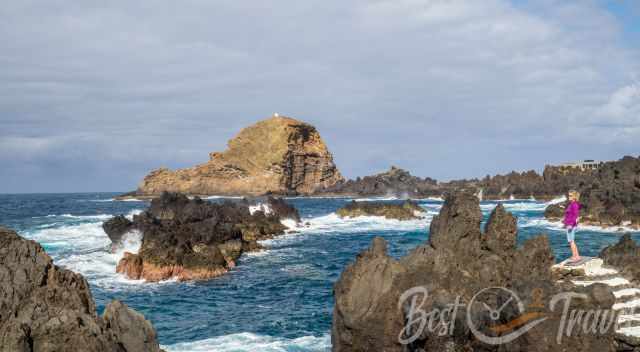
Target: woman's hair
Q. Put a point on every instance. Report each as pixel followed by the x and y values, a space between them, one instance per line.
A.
pixel 574 194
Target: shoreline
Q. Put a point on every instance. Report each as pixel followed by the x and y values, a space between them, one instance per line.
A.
pixel 141 198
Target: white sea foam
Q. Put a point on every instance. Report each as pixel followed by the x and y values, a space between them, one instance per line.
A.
pixel 85 248
pixel 514 206
pixel 559 226
pixel 290 223
pixel 117 200
pixel 332 223
pixel 132 213
pixel 99 264
pixel 374 199
pixel 79 217
pixel 557 200
pixel 437 199
pixel 221 197
pixel 81 237
pixel 265 208
pixel 248 342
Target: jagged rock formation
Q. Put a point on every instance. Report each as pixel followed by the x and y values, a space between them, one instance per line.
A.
pixel 523 185
pixel 278 155
pixel 47 308
pixel 394 183
pixel 459 260
pixel 191 239
pixel 617 269
pixel 407 210
pixel 610 196
pixel 624 255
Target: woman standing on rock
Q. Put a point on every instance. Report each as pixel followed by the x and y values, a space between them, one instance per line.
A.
pixel 571 217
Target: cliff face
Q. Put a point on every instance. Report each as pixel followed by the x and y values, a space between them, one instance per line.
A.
pixel 278 155
pixel 46 308
pixel 459 261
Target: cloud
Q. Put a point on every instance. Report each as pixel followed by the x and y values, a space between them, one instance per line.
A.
pixel 444 88
pixel 623 107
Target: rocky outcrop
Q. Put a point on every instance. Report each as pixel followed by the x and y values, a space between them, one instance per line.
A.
pixel 460 264
pixel 393 183
pixel 279 155
pixel 273 206
pixel 116 227
pixel 610 196
pixel 407 210
pixel 192 239
pixel 522 185
pixel 624 255
pixel 46 308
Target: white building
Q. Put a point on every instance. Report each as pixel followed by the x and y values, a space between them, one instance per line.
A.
pixel 584 164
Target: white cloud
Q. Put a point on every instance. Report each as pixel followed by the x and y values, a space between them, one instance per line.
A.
pixel 452 88
pixel 623 107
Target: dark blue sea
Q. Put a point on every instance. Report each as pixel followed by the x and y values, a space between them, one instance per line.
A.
pixel 276 300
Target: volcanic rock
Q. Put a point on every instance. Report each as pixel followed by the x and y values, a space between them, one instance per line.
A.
pixel 279 155
pixel 116 227
pixel 407 210
pixel 457 264
pixel 624 255
pixel 393 183
pixel 46 308
pixel 610 197
pixel 192 239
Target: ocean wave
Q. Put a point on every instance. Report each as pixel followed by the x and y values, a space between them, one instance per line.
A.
pixel 435 199
pixel 290 223
pixel 375 199
pixel 86 249
pixel 116 200
pixel 557 200
pixel 559 226
pixel 88 217
pixel 221 197
pixel 81 237
pixel 332 223
pixel 250 342
pixel 265 208
pixel 92 256
pixel 79 217
pixel 488 206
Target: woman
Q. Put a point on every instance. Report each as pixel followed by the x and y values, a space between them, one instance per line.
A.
pixel 571 217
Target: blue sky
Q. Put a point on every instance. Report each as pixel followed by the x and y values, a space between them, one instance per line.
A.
pixel 95 95
pixel 627 12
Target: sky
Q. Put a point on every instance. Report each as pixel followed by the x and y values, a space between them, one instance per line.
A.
pixel 94 94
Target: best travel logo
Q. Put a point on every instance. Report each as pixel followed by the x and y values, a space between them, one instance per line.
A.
pixel 497 315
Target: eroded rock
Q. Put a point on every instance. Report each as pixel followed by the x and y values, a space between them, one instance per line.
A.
pixel 407 210
pixel 458 262
pixel 278 155
pixel 46 308
pixel 192 239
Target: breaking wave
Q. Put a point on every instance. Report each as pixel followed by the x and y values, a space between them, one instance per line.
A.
pixel 248 342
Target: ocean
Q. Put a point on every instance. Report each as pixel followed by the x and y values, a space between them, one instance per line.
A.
pixel 279 299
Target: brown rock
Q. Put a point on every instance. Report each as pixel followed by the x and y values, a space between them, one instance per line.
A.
pixel 192 239
pixel 134 332
pixel 46 308
pixel 131 266
pixel 406 210
pixel 278 155
pixel 460 261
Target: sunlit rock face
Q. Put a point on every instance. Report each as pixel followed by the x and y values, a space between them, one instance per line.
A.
pixel 277 155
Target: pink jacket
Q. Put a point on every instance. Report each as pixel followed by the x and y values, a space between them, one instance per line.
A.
pixel 571 214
